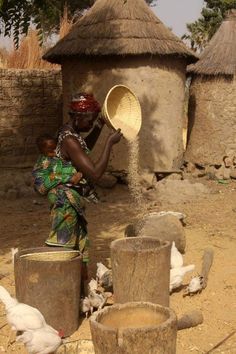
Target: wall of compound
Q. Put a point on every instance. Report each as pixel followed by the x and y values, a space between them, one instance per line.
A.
pixel 30 105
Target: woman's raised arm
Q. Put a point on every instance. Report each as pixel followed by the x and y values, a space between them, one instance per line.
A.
pixel 73 151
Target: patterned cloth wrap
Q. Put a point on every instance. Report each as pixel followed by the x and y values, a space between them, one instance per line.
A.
pixel 67 202
pixel 50 172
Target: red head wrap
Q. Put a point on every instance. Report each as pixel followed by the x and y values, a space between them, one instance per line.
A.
pixel 84 102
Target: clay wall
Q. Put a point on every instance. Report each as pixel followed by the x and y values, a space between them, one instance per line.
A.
pixel 30 105
pixel 159 85
pixel 212 120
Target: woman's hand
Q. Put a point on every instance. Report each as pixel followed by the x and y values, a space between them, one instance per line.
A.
pixel 115 137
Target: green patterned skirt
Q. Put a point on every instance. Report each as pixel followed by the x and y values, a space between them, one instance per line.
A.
pixel 69 226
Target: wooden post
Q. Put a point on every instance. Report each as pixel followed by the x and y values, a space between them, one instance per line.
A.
pixel 207 261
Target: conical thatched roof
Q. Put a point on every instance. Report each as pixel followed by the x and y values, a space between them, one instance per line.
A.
pixel 219 57
pixel 118 27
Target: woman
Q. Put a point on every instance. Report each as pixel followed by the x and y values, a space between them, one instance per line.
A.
pixel 69 226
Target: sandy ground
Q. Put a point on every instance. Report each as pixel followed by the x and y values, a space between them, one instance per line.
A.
pixel 210 222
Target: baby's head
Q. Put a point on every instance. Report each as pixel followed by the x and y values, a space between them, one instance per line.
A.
pixel 46 145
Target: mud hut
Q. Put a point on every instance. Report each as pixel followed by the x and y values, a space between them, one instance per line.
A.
pixel 212 105
pixel 123 42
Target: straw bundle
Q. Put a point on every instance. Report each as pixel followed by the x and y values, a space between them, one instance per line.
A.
pixel 122 110
pixel 51 256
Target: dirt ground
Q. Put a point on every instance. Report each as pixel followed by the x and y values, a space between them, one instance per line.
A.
pixel 210 222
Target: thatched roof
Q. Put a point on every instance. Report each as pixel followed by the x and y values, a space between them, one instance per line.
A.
pixel 219 57
pixel 118 27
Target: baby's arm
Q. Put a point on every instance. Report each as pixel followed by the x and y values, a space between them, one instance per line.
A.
pixel 76 178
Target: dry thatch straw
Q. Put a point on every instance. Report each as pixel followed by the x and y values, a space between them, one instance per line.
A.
pixel 118 27
pixel 219 57
pixel 65 24
pixel 28 55
pixel 3 57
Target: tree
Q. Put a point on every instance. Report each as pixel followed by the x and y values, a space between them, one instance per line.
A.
pixel 17 15
pixel 212 15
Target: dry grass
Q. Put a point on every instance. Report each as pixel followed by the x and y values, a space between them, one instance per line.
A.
pixel 3 57
pixel 65 24
pixel 30 52
pixel 28 55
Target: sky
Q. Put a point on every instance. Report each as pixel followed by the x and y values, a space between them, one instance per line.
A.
pixel 176 13
pixel 173 13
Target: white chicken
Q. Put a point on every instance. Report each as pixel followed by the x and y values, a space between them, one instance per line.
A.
pixel 21 317
pixel 177 275
pixel 104 276
pixel 101 270
pixel 94 300
pixel 92 285
pixel 106 281
pixel 40 341
pixel 195 285
pixel 85 306
pixel 176 258
pixel 97 300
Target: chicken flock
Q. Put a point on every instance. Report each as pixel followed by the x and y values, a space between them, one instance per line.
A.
pixel 100 289
pixel 97 290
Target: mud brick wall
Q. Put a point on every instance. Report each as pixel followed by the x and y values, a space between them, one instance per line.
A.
pixel 30 105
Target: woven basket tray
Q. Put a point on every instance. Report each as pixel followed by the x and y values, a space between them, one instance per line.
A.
pixel 51 256
pixel 121 109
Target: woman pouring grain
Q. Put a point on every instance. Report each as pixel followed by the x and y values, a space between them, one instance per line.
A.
pixel 69 226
